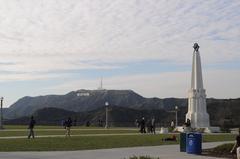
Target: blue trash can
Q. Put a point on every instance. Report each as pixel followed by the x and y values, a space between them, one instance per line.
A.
pixel 194 143
pixel 183 142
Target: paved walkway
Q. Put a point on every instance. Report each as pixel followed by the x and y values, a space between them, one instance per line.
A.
pixel 164 152
pixel 73 129
pixel 109 134
pixel 45 136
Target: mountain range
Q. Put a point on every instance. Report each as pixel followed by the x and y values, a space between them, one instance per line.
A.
pixel 126 106
pixel 86 100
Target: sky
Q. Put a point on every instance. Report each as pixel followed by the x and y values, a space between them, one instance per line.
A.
pixel 54 47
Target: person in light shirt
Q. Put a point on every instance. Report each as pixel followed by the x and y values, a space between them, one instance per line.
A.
pixel 236 147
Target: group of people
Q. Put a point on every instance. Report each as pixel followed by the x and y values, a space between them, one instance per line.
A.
pixel 150 124
pixel 142 124
pixel 67 124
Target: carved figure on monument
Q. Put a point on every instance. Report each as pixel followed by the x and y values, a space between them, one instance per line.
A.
pixel 196 46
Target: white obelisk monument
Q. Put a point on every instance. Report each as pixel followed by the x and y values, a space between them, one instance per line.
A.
pixel 197 111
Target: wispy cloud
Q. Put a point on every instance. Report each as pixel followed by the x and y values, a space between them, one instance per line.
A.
pixel 27 76
pixel 51 63
pixel 44 39
pixel 120 30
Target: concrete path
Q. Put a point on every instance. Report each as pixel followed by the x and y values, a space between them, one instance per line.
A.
pixel 73 129
pixel 164 152
pixel 45 136
pixel 109 134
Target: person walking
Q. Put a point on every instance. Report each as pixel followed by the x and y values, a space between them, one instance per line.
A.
pixel 31 127
pixel 142 126
pixel 153 126
pixel 149 126
pixel 137 123
pixel 236 147
pixel 68 125
pixel 172 125
pixel 63 123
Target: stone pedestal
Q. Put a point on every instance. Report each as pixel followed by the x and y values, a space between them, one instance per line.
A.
pixel 197 112
pixel 163 130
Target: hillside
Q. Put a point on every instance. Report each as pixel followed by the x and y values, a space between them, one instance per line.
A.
pixel 88 105
pixel 118 116
pixel 86 100
pixel 223 113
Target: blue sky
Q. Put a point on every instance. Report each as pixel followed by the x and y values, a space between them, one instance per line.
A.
pixel 53 47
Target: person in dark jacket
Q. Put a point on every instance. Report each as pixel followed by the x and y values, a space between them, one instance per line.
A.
pixel 31 127
pixel 188 123
pixel 153 125
pixel 68 125
pixel 142 126
pixel 148 124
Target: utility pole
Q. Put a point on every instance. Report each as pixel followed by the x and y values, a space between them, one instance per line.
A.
pixel 1 113
pixel 176 110
pixel 106 105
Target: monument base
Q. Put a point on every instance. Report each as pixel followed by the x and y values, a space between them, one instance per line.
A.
pixel 202 130
pixel 212 129
pixel 163 130
pixel 179 129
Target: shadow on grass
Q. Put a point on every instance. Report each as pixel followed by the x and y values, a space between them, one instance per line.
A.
pixel 221 151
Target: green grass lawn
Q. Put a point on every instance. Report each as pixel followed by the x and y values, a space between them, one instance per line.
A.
pixel 47 127
pixel 41 132
pixel 80 143
pixel 85 142
pixel 93 142
pixel 21 130
pixel 218 137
